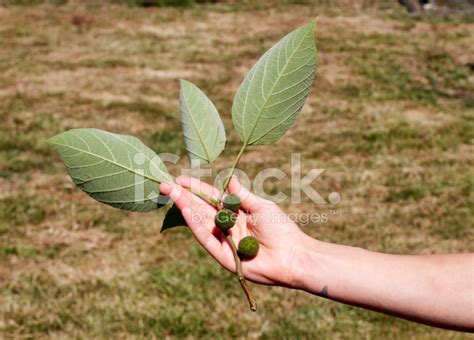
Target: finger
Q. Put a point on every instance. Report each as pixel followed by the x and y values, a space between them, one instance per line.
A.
pixel 180 196
pixel 249 201
pixel 198 223
pixel 201 223
pixel 165 188
pixel 241 224
pixel 252 220
pixel 238 230
pixel 197 185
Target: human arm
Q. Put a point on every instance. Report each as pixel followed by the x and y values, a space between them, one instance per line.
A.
pixel 436 290
pixel 432 289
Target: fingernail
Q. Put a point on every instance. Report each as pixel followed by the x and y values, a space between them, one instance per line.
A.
pixel 186 211
pixel 175 193
pixel 165 188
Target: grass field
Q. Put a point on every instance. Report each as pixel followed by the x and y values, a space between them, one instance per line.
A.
pixel 390 118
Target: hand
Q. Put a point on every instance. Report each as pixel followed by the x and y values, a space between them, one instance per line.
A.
pixel 279 238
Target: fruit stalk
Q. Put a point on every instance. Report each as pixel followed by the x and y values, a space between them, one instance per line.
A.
pixel 240 275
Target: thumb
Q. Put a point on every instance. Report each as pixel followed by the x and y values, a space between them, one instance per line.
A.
pixel 249 201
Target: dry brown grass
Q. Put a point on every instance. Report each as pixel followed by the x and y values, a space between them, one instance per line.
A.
pixel 389 118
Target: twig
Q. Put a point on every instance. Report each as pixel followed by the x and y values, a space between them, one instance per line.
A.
pixel 238 263
pixel 240 275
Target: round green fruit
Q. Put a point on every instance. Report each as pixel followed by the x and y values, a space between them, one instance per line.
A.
pixel 225 219
pixel 248 247
pixel 231 202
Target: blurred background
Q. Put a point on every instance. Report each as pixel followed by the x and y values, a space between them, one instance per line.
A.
pixel 390 117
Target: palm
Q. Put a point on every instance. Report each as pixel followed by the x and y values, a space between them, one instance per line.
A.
pixel 276 239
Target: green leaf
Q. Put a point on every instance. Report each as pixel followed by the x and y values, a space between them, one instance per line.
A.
pixel 173 218
pixel 117 170
pixel 272 94
pixel 204 134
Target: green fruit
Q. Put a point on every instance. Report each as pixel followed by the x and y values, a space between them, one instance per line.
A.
pixel 231 202
pixel 248 247
pixel 225 219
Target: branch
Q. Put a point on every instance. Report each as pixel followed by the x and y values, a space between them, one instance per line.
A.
pixel 240 275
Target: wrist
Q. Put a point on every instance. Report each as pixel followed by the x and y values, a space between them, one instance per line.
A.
pixel 319 267
pixel 305 265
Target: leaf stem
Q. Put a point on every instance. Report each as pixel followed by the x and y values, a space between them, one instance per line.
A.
pixel 213 170
pixel 234 165
pixel 240 275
